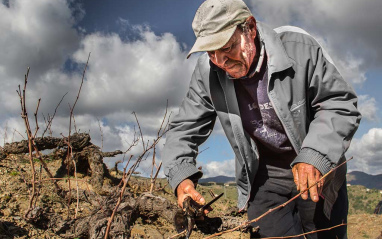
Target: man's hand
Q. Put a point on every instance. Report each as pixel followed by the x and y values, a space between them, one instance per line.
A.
pixel 187 188
pixel 306 175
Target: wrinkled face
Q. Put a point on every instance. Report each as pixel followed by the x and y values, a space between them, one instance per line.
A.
pixel 237 55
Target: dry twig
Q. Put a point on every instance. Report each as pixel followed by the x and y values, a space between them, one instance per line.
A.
pixel 15 130
pixel 154 179
pixel 203 150
pixel 35 116
pixel 75 176
pixel 24 115
pixel 13 136
pixel 140 131
pixel 153 161
pixel 100 130
pixel 306 233
pixel 39 184
pixel 119 200
pixel 74 120
pixel 50 119
pixel 5 130
pixel 31 141
pixel 48 179
pixel 178 235
pixel 126 176
pixel 70 153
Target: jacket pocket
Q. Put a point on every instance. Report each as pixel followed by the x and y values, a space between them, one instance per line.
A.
pixel 297 105
pixel 299 114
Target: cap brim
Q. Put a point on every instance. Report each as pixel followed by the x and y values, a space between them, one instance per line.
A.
pixel 212 42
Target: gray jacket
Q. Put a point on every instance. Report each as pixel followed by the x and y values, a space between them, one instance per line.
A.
pixel 316 106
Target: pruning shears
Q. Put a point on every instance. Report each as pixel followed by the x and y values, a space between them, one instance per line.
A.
pixel 185 219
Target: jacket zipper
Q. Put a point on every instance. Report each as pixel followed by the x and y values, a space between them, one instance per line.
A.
pixel 243 156
pixel 278 115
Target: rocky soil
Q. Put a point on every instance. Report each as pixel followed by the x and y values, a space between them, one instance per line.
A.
pixel 140 215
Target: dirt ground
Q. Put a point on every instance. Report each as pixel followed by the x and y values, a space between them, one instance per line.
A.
pixel 14 202
pixel 364 226
pixel 14 199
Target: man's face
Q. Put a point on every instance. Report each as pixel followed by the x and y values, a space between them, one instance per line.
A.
pixel 237 55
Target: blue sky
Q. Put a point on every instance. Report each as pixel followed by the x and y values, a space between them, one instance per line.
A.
pixel 137 63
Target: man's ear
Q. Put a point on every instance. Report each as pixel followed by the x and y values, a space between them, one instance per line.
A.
pixel 251 23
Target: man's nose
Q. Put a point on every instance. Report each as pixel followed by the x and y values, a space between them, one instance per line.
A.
pixel 221 58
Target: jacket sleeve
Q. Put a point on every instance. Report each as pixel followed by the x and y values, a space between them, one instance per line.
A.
pixel 334 115
pixel 188 129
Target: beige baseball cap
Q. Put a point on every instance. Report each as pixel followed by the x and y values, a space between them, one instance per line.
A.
pixel 215 22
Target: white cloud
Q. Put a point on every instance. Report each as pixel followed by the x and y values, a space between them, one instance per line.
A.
pixel 350 29
pixel 368 108
pixel 36 33
pixel 218 168
pixel 133 76
pixel 367 152
pixel 124 75
pixel 344 22
pixel 351 68
pixel 11 130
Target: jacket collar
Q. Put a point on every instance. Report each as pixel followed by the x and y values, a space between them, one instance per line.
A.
pixel 278 60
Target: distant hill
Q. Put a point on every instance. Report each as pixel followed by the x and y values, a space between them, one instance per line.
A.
pixel 364 179
pixel 217 179
pixel 354 178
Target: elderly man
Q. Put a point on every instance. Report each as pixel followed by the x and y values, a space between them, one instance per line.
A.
pixel 286 111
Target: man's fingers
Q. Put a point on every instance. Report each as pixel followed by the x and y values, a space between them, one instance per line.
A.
pixel 320 184
pixel 295 177
pixel 317 180
pixel 303 179
pixel 307 176
pixel 320 190
pixel 181 199
pixel 311 181
pixel 187 189
pixel 197 197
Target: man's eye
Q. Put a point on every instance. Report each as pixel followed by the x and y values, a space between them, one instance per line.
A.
pixel 227 49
